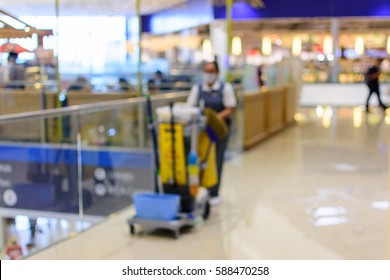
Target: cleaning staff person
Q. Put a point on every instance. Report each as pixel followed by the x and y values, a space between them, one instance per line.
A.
pixel 220 97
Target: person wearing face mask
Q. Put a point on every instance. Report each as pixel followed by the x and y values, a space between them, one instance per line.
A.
pixel 220 97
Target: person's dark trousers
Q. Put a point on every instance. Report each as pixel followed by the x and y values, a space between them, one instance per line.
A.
pixel 375 89
pixel 220 154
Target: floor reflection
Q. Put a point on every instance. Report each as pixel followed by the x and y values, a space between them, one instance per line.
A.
pixel 35 234
pixel 319 190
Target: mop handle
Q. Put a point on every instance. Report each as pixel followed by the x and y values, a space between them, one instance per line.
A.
pixel 153 133
pixel 173 144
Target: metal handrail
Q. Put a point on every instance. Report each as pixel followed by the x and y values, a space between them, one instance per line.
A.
pixel 89 108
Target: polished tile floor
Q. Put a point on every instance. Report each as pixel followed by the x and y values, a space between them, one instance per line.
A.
pixel 318 190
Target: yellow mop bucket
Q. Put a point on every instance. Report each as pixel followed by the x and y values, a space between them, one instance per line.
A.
pixel 166 160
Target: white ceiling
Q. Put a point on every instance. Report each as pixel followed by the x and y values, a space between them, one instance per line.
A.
pixel 85 7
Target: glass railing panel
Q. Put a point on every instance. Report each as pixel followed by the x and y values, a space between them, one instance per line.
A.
pixel 116 155
pixel 39 193
pixel 115 161
pixel 64 170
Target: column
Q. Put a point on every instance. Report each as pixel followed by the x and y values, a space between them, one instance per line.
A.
pixel 128 40
pixel 218 36
pixel 335 31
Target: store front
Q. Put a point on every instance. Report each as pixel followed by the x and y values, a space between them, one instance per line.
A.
pixel 336 40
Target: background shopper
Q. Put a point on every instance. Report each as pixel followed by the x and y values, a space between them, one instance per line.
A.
pixel 80 84
pixel 372 81
pixel 15 73
pixel 220 97
pixel 159 82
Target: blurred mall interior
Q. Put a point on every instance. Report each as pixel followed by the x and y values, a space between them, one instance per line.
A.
pixel 306 172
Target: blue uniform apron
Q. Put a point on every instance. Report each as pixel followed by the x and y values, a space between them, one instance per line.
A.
pixel 214 100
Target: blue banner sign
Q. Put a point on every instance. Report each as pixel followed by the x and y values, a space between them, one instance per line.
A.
pixel 307 8
pixel 45 178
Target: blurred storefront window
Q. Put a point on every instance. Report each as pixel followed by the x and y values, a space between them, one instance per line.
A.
pixel 87 45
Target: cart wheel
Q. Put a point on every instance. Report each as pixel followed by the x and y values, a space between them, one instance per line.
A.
pixel 206 211
pixel 132 229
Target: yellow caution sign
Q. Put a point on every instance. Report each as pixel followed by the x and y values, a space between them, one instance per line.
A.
pixel 209 174
pixel 165 148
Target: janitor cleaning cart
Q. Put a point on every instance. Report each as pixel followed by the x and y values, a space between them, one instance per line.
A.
pixel 183 141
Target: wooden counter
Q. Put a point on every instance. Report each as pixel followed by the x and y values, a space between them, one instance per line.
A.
pixel 19 101
pixel 274 108
pixel 290 104
pixel 266 112
pixel 255 128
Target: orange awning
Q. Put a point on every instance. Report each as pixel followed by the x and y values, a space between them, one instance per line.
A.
pixel 10 47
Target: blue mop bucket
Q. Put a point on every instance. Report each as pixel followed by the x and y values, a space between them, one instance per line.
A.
pixel 157 206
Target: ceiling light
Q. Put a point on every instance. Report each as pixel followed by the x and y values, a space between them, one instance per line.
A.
pixel 207 48
pixel 330 57
pixel 297 46
pixel 359 45
pixel 236 46
pixel 266 46
pixel 328 45
pixel 13 22
pixel 388 45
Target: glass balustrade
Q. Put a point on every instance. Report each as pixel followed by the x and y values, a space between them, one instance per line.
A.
pixel 64 170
